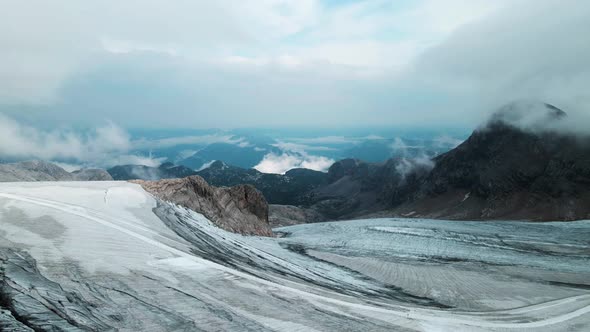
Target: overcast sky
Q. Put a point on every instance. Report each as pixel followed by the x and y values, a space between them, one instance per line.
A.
pixel 261 63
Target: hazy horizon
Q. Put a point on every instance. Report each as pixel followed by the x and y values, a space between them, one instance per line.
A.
pixel 80 80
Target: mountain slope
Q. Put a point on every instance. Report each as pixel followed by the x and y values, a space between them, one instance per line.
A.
pixel 292 188
pixel 505 170
pixel 239 155
pixel 141 172
pixel 45 171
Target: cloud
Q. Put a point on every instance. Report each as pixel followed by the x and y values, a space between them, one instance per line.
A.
pixel 191 140
pixel 103 146
pixel 399 146
pixel 131 159
pixel 532 50
pixel 281 163
pixel 447 142
pixel 206 165
pixel 300 148
pixel 408 165
pixel 325 140
pixel 235 64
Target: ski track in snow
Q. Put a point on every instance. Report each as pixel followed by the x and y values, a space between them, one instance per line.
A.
pixel 533 316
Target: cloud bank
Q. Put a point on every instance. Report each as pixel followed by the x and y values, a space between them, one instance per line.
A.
pixel 281 163
pixel 97 146
pixel 230 64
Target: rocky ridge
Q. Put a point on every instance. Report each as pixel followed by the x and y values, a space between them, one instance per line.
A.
pixel 240 209
pixel 509 168
pixel 45 171
pixel 141 172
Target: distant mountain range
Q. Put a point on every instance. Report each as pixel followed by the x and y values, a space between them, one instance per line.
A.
pixel 45 171
pixel 502 171
pixel 241 156
pixel 140 172
pixel 509 168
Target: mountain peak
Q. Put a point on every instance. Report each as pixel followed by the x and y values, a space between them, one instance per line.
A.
pixel 218 164
pixel 526 115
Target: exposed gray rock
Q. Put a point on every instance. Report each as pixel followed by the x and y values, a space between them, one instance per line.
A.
pixel 286 215
pixel 90 174
pixel 241 209
pixel 37 170
pixel 33 171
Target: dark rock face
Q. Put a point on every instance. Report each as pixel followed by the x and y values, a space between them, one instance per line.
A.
pixel 240 209
pixel 359 188
pixel 141 172
pixel 349 189
pixel 506 172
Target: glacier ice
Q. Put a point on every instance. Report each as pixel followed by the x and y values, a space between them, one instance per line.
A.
pixel 106 255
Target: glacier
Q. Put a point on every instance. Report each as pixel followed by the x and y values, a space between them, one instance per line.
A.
pixel 102 256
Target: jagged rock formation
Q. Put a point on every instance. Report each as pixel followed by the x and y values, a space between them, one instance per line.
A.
pixel 513 167
pixel 140 172
pixel 45 171
pixel 240 209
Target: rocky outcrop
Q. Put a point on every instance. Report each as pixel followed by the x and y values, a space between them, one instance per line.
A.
pixel 45 171
pixel 240 209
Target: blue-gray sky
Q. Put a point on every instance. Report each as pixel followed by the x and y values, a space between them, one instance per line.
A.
pixel 264 63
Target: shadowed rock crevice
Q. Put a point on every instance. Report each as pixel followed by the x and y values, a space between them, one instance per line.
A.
pixel 35 303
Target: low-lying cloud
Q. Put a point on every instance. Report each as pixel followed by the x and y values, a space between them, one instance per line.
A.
pixel 192 140
pixel 281 163
pixel 408 165
pixel 103 146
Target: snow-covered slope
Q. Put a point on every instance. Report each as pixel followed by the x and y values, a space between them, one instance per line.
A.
pixel 106 255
